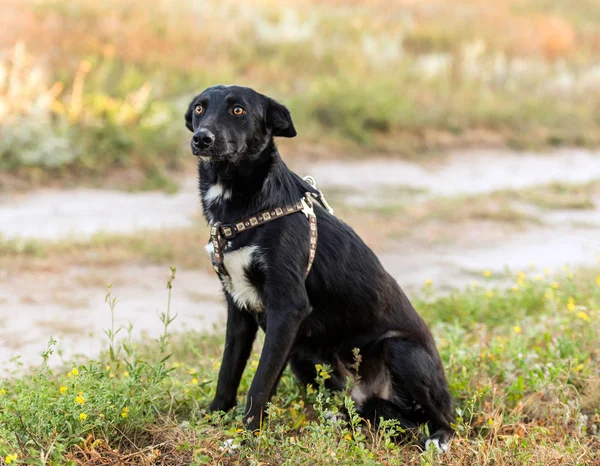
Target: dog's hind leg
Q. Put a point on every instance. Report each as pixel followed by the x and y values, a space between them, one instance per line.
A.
pixel 303 366
pixel 375 408
pixel 418 376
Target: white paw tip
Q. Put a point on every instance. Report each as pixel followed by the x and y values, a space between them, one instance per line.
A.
pixel 228 445
pixel 439 446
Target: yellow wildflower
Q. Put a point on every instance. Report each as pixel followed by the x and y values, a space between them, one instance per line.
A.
pixel 517 329
pixel 583 316
pixel 515 288
pixel 75 372
pixel 490 294
pixel 107 368
pixel 579 367
pixel 487 273
pixel 254 364
pixel 428 282
pixel 79 399
pixel 3 391
pixel 194 381
pixel 598 280
pixel 555 285
pixel 571 304
pixel 347 437
pixel 62 389
pixel 125 412
pixel 82 417
pixel 192 371
pixel 8 459
pixel 176 364
pixel 521 275
pixel 125 374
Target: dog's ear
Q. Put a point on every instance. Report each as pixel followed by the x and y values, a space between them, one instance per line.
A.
pixel 189 114
pixel 279 119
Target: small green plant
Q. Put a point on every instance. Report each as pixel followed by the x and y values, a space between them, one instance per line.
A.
pixel 165 317
pixel 112 332
pixel 520 361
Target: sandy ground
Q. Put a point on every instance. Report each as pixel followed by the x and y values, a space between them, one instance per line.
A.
pixel 35 305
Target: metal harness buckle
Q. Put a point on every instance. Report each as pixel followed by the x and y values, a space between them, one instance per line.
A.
pixel 320 196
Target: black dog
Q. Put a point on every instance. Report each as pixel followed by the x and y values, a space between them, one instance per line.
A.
pixel 347 300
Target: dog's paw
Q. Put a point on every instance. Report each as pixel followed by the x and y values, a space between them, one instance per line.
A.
pixel 228 445
pixel 252 422
pixel 220 405
pixel 337 418
pixel 440 441
pixel 442 447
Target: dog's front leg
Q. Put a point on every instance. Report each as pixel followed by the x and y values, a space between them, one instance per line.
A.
pixel 241 331
pixel 282 327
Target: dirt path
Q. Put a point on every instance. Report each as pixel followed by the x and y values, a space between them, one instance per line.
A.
pixel 464 172
pixel 79 213
pixel 53 214
pixel 70 305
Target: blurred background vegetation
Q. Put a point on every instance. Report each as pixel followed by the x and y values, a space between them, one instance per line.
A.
pixel 94 92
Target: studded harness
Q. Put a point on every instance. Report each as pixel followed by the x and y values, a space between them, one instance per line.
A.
pixel 220 233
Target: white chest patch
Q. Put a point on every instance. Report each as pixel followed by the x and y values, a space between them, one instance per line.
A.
pixel 216 193
pixel 239 287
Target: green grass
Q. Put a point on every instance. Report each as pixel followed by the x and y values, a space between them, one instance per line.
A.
pixel 521 362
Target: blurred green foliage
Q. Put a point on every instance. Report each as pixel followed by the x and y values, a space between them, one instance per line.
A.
pixel 107 86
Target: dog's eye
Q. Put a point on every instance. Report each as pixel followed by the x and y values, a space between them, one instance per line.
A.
pixel 237 110
pixel 199 109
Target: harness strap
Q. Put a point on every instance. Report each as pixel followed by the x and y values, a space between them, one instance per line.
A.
pixel 220 233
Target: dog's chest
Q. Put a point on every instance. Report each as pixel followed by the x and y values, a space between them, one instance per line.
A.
pixel 238 285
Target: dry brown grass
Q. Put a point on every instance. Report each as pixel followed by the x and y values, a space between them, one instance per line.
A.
pixel 159 445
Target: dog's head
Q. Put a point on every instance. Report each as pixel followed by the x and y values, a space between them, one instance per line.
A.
pixel 231 123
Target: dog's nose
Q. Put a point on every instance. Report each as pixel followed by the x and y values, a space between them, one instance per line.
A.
pixel 203 138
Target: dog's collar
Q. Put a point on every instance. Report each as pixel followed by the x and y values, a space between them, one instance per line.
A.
pixel 220 233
